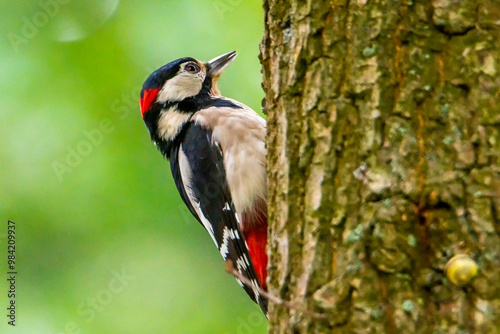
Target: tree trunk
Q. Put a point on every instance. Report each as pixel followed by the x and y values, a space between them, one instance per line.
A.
pixel 383 161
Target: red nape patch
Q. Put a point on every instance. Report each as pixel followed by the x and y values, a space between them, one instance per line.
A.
pixel 147 97
pixel 256 238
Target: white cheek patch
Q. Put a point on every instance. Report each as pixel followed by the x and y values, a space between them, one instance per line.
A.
pixel 170 123
pixel 182 86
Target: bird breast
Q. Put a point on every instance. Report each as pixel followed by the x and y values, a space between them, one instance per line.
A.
pixel 241 133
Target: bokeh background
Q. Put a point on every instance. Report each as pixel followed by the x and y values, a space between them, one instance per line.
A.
pixel 104 243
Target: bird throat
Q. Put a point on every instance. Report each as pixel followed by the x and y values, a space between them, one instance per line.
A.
pixel 170 123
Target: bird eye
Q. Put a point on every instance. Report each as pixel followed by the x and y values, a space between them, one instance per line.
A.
pixel 192 67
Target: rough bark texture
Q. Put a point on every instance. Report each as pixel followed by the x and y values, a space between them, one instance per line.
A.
pixel 383 155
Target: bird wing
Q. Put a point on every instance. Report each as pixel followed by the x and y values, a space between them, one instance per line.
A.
pixel 199 174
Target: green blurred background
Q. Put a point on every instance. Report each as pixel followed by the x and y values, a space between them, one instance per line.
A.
pixel 104 243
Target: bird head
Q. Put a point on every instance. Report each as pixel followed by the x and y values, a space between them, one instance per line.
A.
pixel 184 80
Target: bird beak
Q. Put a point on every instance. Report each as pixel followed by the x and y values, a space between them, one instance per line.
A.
pixel 217 65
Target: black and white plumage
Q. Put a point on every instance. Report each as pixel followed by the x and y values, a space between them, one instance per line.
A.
pixel 216 149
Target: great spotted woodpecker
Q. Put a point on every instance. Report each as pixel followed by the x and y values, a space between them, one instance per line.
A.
pixel 216 148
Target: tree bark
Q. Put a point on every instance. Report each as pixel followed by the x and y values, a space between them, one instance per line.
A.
pixel 383 162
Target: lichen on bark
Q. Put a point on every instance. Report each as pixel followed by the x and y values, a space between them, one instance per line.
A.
pixel 383 163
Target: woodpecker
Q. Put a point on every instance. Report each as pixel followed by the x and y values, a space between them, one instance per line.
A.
pixel 217 153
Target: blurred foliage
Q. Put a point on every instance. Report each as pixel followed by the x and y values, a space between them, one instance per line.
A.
pixel 104 243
